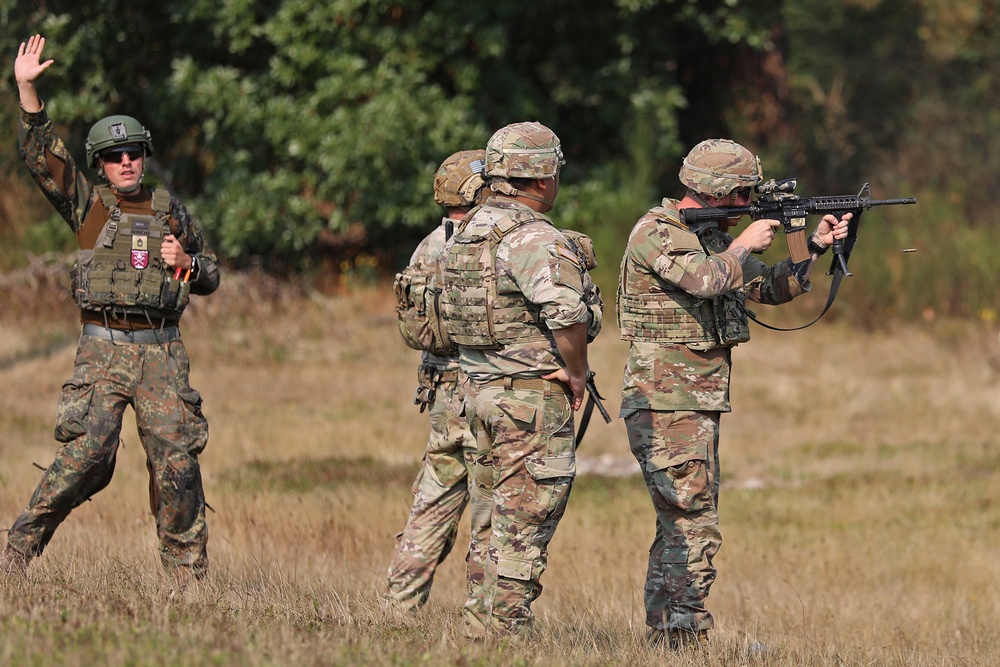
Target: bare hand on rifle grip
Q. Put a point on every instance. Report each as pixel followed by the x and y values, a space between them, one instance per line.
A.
pixel 831 228
pixel 758 235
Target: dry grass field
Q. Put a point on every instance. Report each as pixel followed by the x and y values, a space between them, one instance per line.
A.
pixel 860 502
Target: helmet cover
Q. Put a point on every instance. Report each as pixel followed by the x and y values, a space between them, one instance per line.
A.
pixel 523 150
pixel 459 179
pixel 716 167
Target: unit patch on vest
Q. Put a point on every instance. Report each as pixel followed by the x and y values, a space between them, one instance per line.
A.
pixel 140 251
pixel 140 244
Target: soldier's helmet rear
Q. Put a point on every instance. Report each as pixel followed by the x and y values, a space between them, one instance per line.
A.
pixel 523 150
pixel 716 167
pixel 460 179
pixel 116 131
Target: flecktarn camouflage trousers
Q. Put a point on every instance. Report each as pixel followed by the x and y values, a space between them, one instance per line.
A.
pixel 440 495
pixel 523 472
pixel 153 379
pixel 678 453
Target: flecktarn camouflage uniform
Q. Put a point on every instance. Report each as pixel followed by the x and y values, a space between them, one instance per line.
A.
pixel 680 304
pixel 525 460
pixel 126 356
pixel 440 492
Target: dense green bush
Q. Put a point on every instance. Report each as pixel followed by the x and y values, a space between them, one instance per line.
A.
pixel 304 134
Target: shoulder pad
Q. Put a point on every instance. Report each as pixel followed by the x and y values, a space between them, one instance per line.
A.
pixel 668 216
pixel 516 219
pixel 107 196
pixel 161 201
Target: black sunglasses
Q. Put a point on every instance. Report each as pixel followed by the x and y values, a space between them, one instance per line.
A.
pixel 115 154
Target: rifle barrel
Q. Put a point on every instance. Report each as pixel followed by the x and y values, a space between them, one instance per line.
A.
pixel 893 202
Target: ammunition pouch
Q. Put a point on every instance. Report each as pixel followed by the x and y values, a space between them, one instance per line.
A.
pixel 428 379
pixel 732 323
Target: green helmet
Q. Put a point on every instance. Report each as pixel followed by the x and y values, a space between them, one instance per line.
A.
pixel 116 131
pixel 716 167
pixel 459 179
pixel 523 150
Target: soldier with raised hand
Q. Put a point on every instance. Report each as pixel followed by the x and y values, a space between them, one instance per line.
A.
pixel 440 492
pixel 681 304
pixel 141 257
pixel 519 303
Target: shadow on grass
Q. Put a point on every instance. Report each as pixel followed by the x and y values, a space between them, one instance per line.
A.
pixel 305 475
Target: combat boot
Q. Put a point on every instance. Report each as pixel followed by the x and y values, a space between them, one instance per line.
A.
pixel 687 640
pixel 13 563
pixel 656 638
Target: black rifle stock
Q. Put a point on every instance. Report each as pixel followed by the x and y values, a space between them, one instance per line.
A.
pixel 777 201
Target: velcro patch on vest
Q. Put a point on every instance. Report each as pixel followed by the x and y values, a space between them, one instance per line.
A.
pixel 140 259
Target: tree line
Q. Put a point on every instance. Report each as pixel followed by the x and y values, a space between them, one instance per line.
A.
pixel 305 133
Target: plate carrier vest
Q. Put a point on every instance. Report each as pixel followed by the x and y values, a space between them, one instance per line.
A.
pixel 475 315
pixel 663 313
pixel 124 271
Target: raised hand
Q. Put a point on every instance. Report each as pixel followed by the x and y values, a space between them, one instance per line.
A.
pixel 28 65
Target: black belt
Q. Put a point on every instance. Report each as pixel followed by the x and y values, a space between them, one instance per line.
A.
pixel 141 336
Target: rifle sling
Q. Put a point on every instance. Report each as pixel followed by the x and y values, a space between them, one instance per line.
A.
pixel 838 276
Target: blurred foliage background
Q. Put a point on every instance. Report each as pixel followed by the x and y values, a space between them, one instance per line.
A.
pixel 305 134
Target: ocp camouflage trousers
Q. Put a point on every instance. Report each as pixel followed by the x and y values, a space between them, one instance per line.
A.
pixel 523 472
pixel 678 453
pixel 107 377
pixel 440 494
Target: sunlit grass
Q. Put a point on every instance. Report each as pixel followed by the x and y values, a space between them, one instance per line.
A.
pixel 860 504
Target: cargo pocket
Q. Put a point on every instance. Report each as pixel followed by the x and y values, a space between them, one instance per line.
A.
pixel 521 412
pixel 680 484
pixel 513 568
pixel 548 487
pixel 74 407
pixel 195 424
pixel 675 555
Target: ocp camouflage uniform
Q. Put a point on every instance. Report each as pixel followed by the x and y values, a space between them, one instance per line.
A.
pixel 440 492
pixel 127 356
pixel 680 304
pixel 525 460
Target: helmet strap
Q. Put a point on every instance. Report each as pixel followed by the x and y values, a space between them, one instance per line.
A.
pixel 698 198
pixel 503 187
pixel 527 195
pixel 131 190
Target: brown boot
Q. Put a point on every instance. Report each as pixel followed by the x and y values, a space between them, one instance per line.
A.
pixel 656 638
pixel 686 640
pixel 13 563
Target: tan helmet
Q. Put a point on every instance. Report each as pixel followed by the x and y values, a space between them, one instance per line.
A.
pixel 459 180
pixel 523 150
pixel 716 167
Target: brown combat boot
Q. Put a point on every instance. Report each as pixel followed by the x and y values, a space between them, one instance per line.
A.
pixel 656 638
pixel 686 640
pixel 13 563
